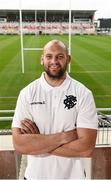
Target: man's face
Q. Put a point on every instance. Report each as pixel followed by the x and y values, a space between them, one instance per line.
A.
pixel 55 60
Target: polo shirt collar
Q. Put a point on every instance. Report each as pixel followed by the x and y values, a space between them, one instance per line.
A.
pixel 48 87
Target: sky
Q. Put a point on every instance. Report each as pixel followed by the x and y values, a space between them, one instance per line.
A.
pixel 102 7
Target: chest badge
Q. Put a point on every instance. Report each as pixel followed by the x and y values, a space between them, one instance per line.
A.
pixel 70 101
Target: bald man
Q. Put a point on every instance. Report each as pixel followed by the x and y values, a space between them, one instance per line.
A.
pixel 55 120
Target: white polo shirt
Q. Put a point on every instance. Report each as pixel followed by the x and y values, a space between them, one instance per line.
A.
pixel 55 109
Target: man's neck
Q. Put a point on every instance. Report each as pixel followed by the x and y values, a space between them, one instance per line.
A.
pixel 54 82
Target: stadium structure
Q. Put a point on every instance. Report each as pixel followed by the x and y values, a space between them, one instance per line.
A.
pixel 104 26
pixel 40 18
pixel 47 21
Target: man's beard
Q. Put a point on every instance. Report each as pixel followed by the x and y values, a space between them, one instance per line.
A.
pixel 59 74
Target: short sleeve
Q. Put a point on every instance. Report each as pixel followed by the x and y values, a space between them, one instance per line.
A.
pixel 87 114
pixel 22 110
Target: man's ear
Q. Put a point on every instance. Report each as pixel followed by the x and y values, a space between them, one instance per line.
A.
pixel 68 59
pixel 41 61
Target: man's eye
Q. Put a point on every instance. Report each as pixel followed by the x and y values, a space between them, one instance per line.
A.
pixel 48 57
pixel 60 57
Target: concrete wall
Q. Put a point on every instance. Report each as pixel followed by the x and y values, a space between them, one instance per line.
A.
pixel 7 165
pixel 101 163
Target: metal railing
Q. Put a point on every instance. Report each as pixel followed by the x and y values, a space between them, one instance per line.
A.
pixel 5 132
pixel 104 126
pixel 104 130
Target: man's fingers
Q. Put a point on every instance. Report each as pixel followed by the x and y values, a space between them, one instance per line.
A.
pixel 29 126
pixel 25 126
pixel 34 126
pixel 23 131
pixel 70 136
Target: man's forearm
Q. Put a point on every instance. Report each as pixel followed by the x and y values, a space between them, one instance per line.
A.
pixel 82 144
pixel 69 150
pixel 35 144
pixel 81 147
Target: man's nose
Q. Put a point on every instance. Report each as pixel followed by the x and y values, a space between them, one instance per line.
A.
pixel 54 59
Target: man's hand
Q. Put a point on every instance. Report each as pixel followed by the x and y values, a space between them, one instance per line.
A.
pixel 69 136
pixel 28 139
pixel 29 127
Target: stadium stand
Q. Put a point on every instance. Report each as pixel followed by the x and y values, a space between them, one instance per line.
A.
pixel 55 22
pixel 47 28
pixel 103 26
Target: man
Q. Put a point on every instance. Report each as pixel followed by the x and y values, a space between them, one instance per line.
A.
pixel 55 120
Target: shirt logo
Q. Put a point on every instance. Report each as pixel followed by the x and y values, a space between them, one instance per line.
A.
pixel 43 102
pixel 70 101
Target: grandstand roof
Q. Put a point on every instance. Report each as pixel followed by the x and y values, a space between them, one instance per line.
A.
pixel 45 4
pixel 102 6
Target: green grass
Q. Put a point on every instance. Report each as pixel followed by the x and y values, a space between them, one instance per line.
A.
pixel 91 65
pixel 5 124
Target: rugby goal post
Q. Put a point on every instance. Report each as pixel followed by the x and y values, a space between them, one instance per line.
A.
pixel 33 49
